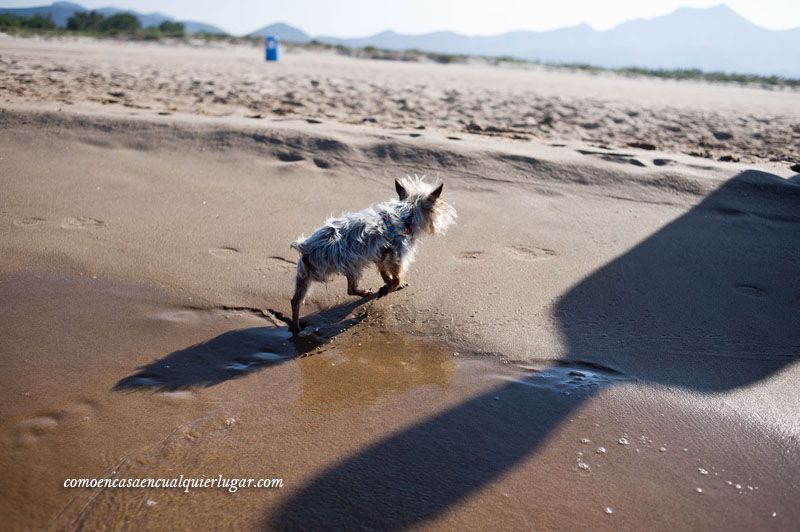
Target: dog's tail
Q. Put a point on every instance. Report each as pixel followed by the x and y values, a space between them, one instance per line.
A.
pixel 298 245
pixel 304 267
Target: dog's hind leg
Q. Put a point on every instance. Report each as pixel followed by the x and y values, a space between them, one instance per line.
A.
pixel 302 282
pixel 352 286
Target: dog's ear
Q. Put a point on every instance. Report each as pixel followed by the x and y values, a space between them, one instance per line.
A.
pixel 433 196
pixel 400 190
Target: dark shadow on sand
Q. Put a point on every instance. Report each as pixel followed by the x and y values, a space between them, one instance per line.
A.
pixel 710 302
pixel 240 352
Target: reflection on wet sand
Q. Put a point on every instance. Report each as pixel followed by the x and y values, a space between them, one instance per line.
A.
pixel 371 367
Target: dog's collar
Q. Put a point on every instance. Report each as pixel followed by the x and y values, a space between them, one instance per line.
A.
pixel 392 230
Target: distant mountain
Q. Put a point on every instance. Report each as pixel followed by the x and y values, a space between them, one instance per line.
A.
pixel 193 26
pixel 711 39
pixel 61 11
pixel 284 31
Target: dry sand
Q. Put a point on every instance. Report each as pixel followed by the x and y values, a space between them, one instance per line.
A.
pixel 639 301
pixel 513 101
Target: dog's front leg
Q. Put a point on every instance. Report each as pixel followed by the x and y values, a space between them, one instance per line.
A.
pixel 398 278
pixel 352 286
pixel 394 278
pixel 387 278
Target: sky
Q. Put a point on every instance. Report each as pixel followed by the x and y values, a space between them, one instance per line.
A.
pixel 359 18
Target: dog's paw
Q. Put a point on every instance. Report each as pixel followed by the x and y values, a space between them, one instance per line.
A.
pixel 308 331
pixel 385 289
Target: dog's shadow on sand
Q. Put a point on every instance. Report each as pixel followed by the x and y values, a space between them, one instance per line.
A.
pixel 240 352
pixel 709 303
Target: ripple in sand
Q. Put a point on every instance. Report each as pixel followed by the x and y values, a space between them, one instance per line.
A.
pixel 238 366
pixel 266 357
pixel 179 316
pixel 254 360
pixel 177 395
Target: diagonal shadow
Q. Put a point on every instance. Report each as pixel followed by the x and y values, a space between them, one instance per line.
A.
pixel 707 303
pixel 240 352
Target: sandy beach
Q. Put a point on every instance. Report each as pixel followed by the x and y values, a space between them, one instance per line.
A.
pixel 524 102
pixel 608 339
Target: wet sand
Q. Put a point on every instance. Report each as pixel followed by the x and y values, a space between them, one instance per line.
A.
pixel 369 429
pixel 604 333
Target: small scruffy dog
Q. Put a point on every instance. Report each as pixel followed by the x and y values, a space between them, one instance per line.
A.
pixel 385 234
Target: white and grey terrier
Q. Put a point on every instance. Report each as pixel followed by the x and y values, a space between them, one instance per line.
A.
pixel 385 234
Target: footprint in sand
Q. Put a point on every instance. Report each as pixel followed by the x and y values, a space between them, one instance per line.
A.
pixel 74 412
pixel 289 157
pixel 224 253
pixel 32 221
pixel 32 430
pixel 750 290
pixel 663 162
pixel 529 253
pixel 81 223
pixel 469 256
pixel 614 157
pixel 582 378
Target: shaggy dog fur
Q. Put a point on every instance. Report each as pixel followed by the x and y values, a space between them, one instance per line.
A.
pixel 385 234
